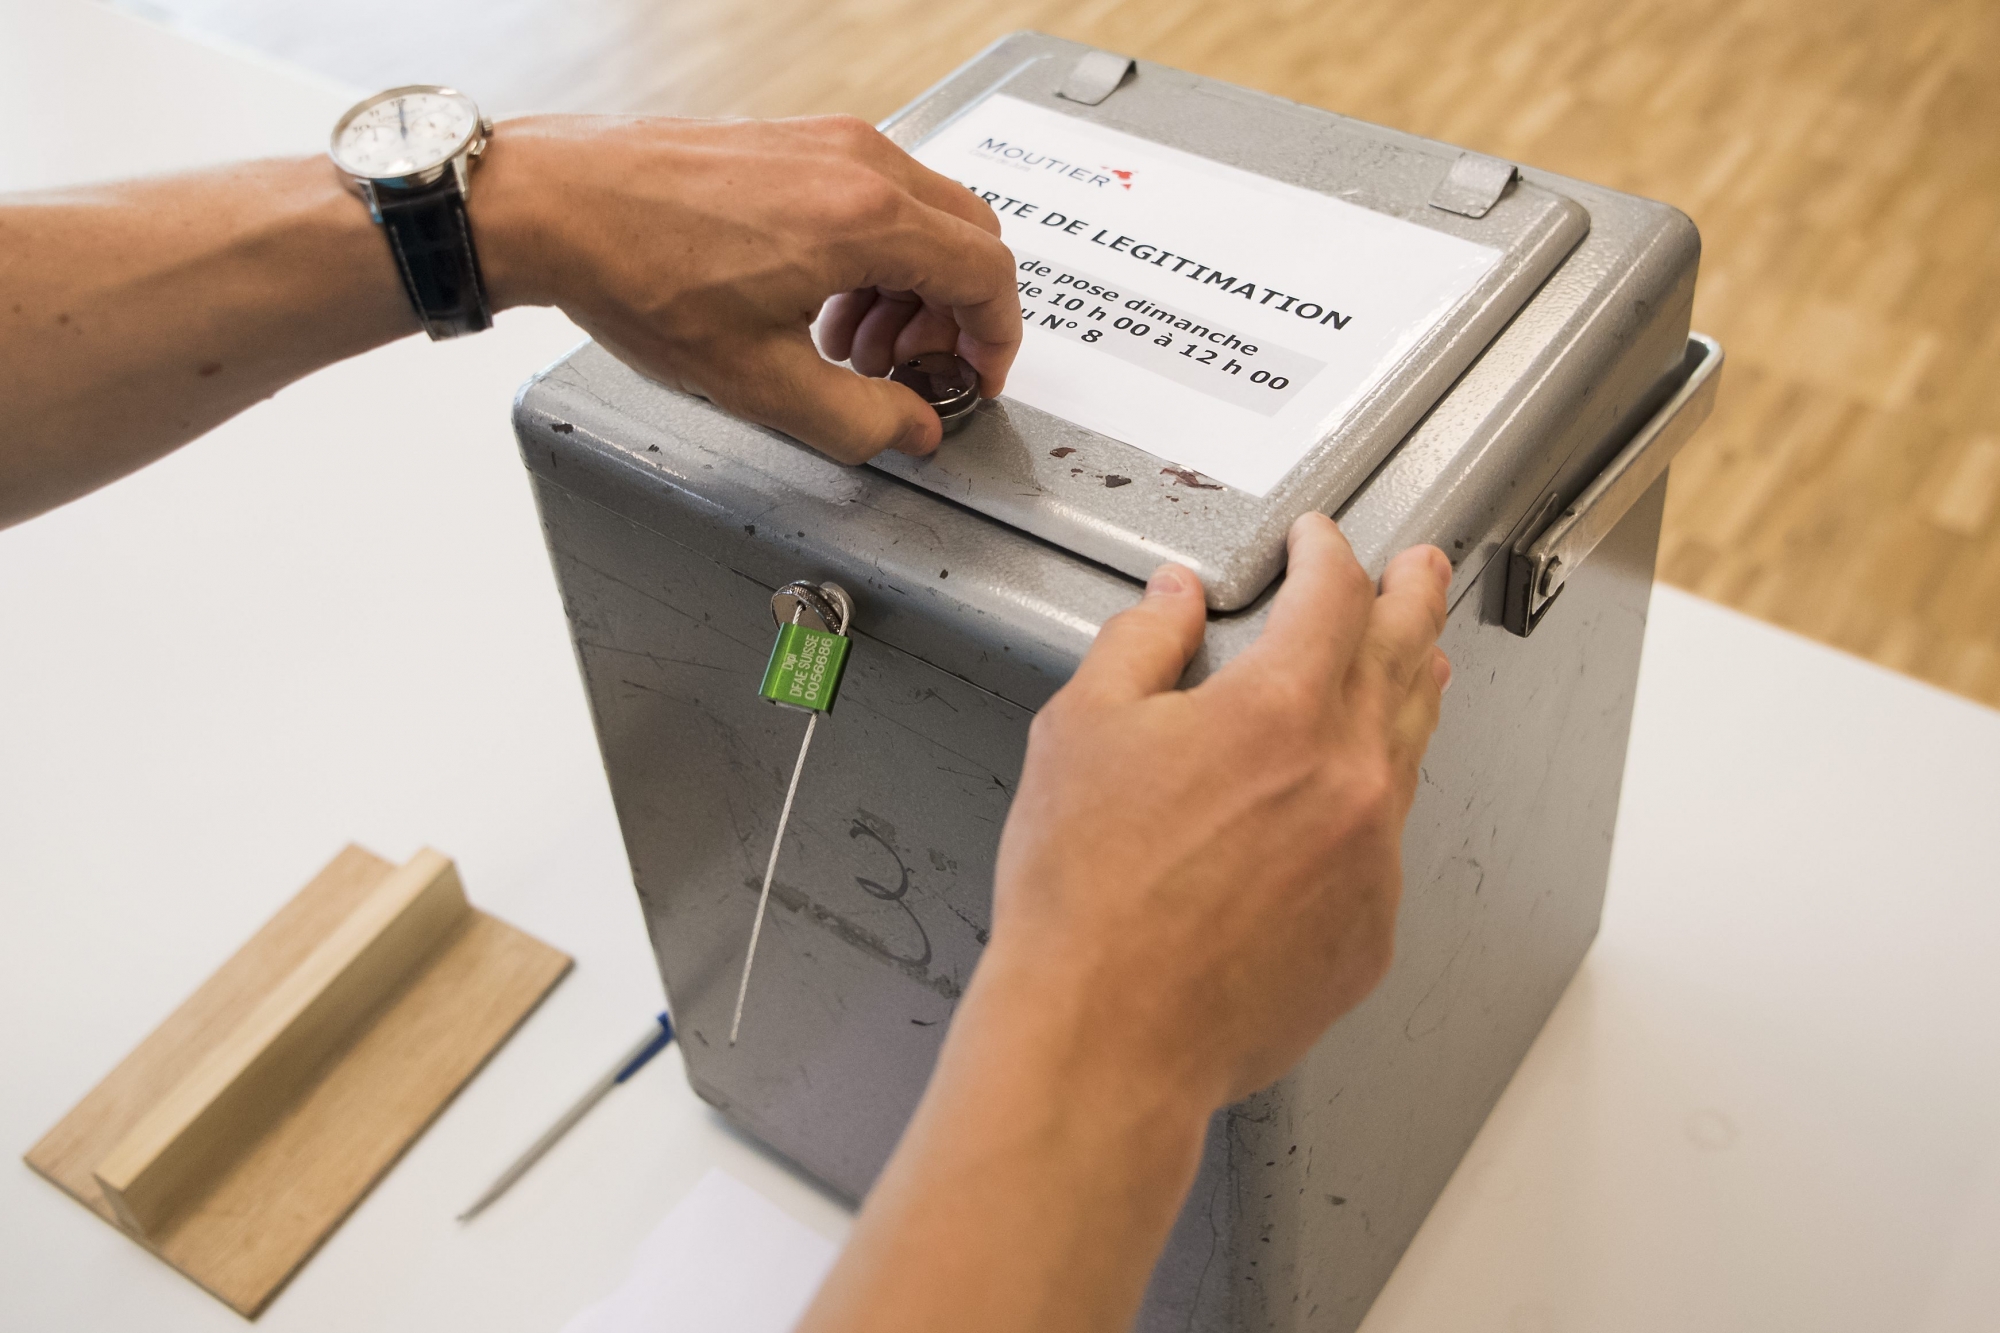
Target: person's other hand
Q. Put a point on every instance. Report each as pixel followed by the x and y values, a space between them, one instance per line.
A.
pixel 1194 883
pixel 702 252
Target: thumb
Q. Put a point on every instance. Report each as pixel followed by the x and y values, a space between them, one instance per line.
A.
pixel 784 382
pixel 1143 650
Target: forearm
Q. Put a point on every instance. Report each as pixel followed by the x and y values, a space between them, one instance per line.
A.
pixel 134 317
pixel 1033 1189
pixel 140 315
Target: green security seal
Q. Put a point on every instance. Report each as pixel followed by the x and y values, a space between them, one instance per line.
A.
pixel 804 673
pixel 805 668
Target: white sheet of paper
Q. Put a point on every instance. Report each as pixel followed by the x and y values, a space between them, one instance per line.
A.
pixel 1218 319
pixel 725 1260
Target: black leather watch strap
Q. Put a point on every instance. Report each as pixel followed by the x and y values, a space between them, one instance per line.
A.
pixel 432 241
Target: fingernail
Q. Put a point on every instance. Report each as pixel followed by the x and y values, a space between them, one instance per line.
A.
pixel 1166 581
pixel 1441 671
pixel 1441 566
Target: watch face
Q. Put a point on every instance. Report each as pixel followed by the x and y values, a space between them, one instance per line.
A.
pixel 404 131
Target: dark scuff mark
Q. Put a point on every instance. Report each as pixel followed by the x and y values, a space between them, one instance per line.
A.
pixel 1422 1021
pixel 750 528
pixel 1335 1200
pixel 655 658
pixel 795 901
pixel 931 740
pixel 652 448
pixel 884 831
pixel 944 573
pixel 1063 452
pixel 867 827
pixel 1187 476
pixel 561 427
pixel 1114 481
pixel 924 1022
pixel 1208 1260
pixel 979 932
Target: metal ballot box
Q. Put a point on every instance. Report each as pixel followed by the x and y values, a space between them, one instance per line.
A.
pixel 1440 347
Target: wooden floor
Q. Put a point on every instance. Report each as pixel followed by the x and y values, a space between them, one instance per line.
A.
pixel 1841 157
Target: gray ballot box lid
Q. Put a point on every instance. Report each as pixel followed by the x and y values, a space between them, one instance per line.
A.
pixel 1512 402
pixel 1133 502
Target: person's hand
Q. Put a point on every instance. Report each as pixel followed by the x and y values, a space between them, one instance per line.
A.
pixel 1202 880
pixel 1192 885
pixel 702 252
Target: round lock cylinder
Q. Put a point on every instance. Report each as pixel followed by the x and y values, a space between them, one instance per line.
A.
pixel 947 382
pixel 826 607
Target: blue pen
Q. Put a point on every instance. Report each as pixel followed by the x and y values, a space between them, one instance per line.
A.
pixel 630 1063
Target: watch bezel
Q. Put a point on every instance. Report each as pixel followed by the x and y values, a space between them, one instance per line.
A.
pixel 469 146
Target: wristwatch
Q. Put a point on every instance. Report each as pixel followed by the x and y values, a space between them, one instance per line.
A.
pixel 409 153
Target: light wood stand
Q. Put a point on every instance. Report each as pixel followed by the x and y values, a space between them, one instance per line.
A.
pixel 236 1137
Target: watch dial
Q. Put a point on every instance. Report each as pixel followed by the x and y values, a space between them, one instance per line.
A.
pixel 404 133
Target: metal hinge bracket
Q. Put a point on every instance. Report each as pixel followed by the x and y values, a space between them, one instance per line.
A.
pixel 1095 76
pixel 1545 558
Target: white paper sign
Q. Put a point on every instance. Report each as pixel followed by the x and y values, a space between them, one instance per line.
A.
pixel 1216 318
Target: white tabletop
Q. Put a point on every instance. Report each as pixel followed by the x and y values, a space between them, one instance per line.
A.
pixel 1770 1101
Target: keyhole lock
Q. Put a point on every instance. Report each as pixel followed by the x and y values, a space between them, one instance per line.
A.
pixel 947 382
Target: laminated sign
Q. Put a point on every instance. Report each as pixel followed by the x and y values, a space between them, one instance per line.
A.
pixel 1215 318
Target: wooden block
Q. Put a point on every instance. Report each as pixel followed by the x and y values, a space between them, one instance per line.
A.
pixel 193 1134
pixel 237 1136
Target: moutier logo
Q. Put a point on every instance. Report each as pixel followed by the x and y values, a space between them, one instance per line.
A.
pixel 1024 158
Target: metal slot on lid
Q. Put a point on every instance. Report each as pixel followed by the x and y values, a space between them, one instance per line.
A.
pixel 1542 563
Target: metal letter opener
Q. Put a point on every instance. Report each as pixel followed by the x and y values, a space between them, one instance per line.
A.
pixel 804 673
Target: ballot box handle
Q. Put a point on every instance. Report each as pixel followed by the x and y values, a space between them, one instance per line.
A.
pixel 1543 560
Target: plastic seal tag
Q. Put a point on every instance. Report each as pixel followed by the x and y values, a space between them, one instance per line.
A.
pixel 805 668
